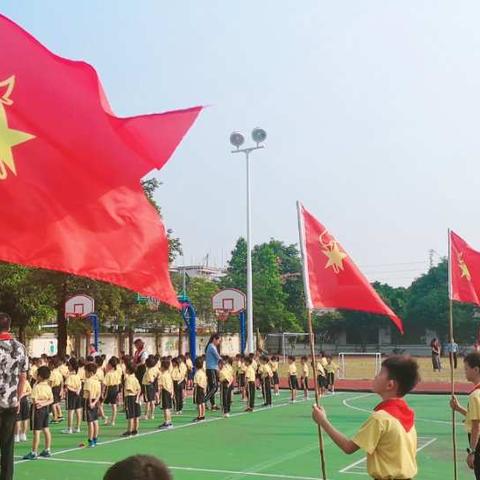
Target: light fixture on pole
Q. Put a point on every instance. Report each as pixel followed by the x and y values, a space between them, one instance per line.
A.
pixel 237 140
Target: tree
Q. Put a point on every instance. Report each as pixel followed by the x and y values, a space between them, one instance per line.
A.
pixel 200 291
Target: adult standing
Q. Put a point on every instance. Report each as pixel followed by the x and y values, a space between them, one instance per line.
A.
pixel 435 346
pixel 212 357
pixel 139 358
pixel 13 375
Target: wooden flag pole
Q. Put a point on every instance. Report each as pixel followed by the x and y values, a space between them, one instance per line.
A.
pixel 317 396
pixel 450 356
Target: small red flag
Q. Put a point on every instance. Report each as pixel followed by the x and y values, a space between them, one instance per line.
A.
pixel 70 171
pixel 464 271
pixel 332 280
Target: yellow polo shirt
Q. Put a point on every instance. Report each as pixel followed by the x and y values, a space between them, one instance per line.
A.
pixel 64 370
pixel 189 364
pixel 250 374
pixel 113 378
pixel 320 369
pixel 100 374
pixel 200 378
pixel 177 374
pixel 331 367
pixel 149 376
pixel 473 409
pixel 305 369
pixel 132 385
pixel 225 374
pixel 27 390
pixel 274 366
pixel 73 382
pixel 56 378
pixel 42 391
pixel 292 369
pixel 92 388
pixel 166 382
pixel 391 450
pixel 266 371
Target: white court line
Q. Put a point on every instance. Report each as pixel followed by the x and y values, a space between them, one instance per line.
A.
pixel 348 468
pixel 194 469
pixel 187 425
pixel 353 407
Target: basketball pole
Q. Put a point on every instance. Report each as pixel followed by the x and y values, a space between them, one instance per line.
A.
pixel 317 396
pixel 450 356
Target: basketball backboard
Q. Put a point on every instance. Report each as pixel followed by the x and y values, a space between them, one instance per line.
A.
pixel 230 300
pixel 79 306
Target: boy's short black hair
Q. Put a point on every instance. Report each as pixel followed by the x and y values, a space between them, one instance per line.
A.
pixel 248 361
pixel 404 371
pixel 130 367
pixel 472 359
pixel 91 367
pixel 199 362
pixel 304 358
pixel 291 357
pixel 43 372
pixel 73 364
pixel 150 362
pixel 98 361
pixel 138 467
pixel 113 362
pixel 165 365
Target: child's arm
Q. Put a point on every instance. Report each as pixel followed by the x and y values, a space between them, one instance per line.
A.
pixel 94 401
pixel 343 442
pixel 474 437
pixel 43 403
pixel 454 405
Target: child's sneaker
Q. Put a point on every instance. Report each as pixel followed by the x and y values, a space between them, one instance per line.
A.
pixel 45 453
pixel 134 432
pixel 30 456
pixel 91 444
pixel 127 434
pixel 226 415
pixel 67 431
pixel 23 437
pixel 16 438
pixel 95 441
pixel 165 425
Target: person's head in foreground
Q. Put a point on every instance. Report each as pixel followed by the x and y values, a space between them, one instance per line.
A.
pixel 138 467
pixel 471 364
pixel 398 375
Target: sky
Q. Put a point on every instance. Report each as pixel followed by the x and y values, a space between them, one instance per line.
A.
pixel 371 110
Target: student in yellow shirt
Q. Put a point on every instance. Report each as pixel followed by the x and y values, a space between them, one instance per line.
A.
pixel 266 375
pixel 242 369
pixel 199 389
pixel 471 364
pixel 56 382
pixel 133 408
pixel 166 385
pixel 178 377
pixel 92 391
pixel 23 415
pixel 184 375
pixel 305 375
pixel 98 360
pixel 388 436
pixel 112 383
pixel 250 377
pixel 292 377
pixel 321 377
pixel 73 387
pixel 275 379
pixel 331 369
pixel 42 398
pixel 148 384
pixel 189 365
pixel 225 376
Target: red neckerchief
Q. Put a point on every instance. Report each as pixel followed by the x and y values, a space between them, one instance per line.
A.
pixel 477 387
pixel 398 408
pixel 5 336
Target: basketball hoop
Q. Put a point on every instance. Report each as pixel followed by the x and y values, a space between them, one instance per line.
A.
pixel 222 314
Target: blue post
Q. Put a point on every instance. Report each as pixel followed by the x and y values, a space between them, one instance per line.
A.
pixel 95 327
pixel 243 333
pixel 190 318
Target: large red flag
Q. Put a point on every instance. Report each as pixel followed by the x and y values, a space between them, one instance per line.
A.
pixel 332 280
pixel 70 170
pixel 464 271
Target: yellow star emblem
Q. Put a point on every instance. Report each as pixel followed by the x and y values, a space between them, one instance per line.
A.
pixel 332 251
pixel 9 137
pixel 463 267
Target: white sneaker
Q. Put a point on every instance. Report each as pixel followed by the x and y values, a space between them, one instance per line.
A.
pixel 77 430
pixel 67 430
pixel 16 438
pixel 23 437
pixel 226 415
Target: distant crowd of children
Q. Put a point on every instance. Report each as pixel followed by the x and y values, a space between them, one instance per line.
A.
pixel 84 386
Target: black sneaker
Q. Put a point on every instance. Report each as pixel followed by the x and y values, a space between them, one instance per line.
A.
pixel 134 432
pixel 127 434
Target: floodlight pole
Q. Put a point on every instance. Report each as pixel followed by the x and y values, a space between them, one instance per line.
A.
pixel 250 343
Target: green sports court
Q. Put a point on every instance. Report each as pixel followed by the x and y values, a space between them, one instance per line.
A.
pixel 277 443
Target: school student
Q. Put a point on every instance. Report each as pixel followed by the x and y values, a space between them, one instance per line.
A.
pixel 225 375
pixel 112 383
pixel 275 378
pixel 148 385
pixel 292 377
pixel 322 381
pixel 305 375
pixel 471 364
pixel 177 377
pixel 73 387
pixel 42 398
pixel 23 415
pixel 250 377
pixel 56 382
pixel 99 362
pixel 199 388
pixel 331 369
pixel 138 467
pixel 266 376
pixel 189 365
pixel 388 436
pixel 92 391
pixel 166 386
pixel 133 408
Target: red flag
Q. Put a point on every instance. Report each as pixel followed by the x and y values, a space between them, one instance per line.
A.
pixel 332 280
pixel 70 170
pixel 464 271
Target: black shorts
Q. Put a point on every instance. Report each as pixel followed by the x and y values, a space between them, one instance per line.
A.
pixel 276 380
pixel 24 413
pixel 305 383
pixel 57 394
pixel 166 400
pixel 199 395
pixel 150 392
pixel 132 408
pixel 330 378
pixel 38 418
pixel 90 414
pixel 293 382
pixel 74 401
pixel 322 381
pixel 111 395
pixel 241 379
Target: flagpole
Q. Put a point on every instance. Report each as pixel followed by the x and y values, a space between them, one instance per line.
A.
pixel 311 336
pixel 450 356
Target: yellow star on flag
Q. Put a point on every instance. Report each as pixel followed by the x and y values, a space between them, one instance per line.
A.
pixel 335 257
pixel 463 268
pixel 9 137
